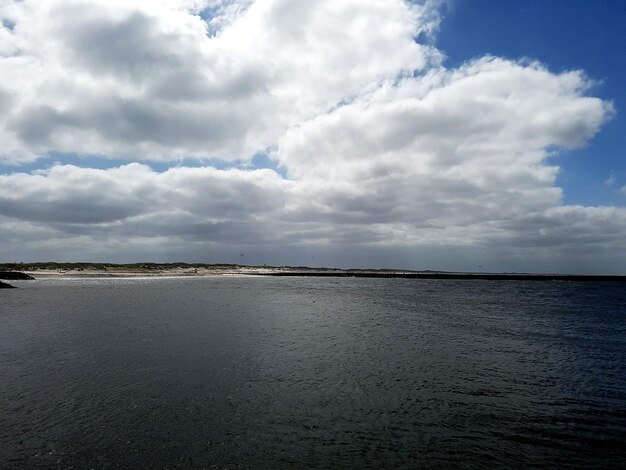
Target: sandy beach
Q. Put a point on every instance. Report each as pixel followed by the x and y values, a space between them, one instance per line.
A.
pixel 121 271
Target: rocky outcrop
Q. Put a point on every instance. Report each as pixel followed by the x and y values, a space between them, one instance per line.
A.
pixel 4 285
pixel 14 275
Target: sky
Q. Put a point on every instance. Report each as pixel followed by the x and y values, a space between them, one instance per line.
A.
pixel 439 134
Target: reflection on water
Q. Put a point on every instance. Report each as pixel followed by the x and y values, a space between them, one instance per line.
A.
pixel 312 373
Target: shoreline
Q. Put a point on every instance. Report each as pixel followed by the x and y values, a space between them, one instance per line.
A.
pixel 119 272
pixel 129 273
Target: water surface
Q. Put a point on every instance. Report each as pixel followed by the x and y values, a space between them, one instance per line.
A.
pixel 261 372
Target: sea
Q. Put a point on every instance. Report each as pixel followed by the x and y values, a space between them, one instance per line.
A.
pixel 254 372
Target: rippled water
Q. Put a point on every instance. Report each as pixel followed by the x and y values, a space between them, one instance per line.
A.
pixel 258 372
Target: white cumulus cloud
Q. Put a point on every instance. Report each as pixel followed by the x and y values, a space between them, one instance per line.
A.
pixel 386 156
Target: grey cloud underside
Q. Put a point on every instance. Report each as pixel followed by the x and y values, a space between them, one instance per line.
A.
pixel 135 122
pixel 256 208
pixel 119 47
pixel 166 66
pixel 389 155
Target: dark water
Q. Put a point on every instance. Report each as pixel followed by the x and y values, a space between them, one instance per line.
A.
pixel 312 373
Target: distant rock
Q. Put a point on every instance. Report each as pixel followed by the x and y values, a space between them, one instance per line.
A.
pixel 14 275
pixel 4 285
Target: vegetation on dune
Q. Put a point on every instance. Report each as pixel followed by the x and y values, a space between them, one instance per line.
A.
pixel 131 267
pixel 150 267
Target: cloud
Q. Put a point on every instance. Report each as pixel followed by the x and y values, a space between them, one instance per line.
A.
pixel 610 181
pixel 68 194
pixel 390 157
pixel 132 79
pixel 456 147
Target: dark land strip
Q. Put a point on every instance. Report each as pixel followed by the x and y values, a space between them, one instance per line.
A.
pixel 461 276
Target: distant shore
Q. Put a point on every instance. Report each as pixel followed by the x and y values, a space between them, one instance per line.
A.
pixel 99 270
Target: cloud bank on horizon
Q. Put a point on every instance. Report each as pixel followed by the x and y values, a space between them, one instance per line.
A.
pixel 376 153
